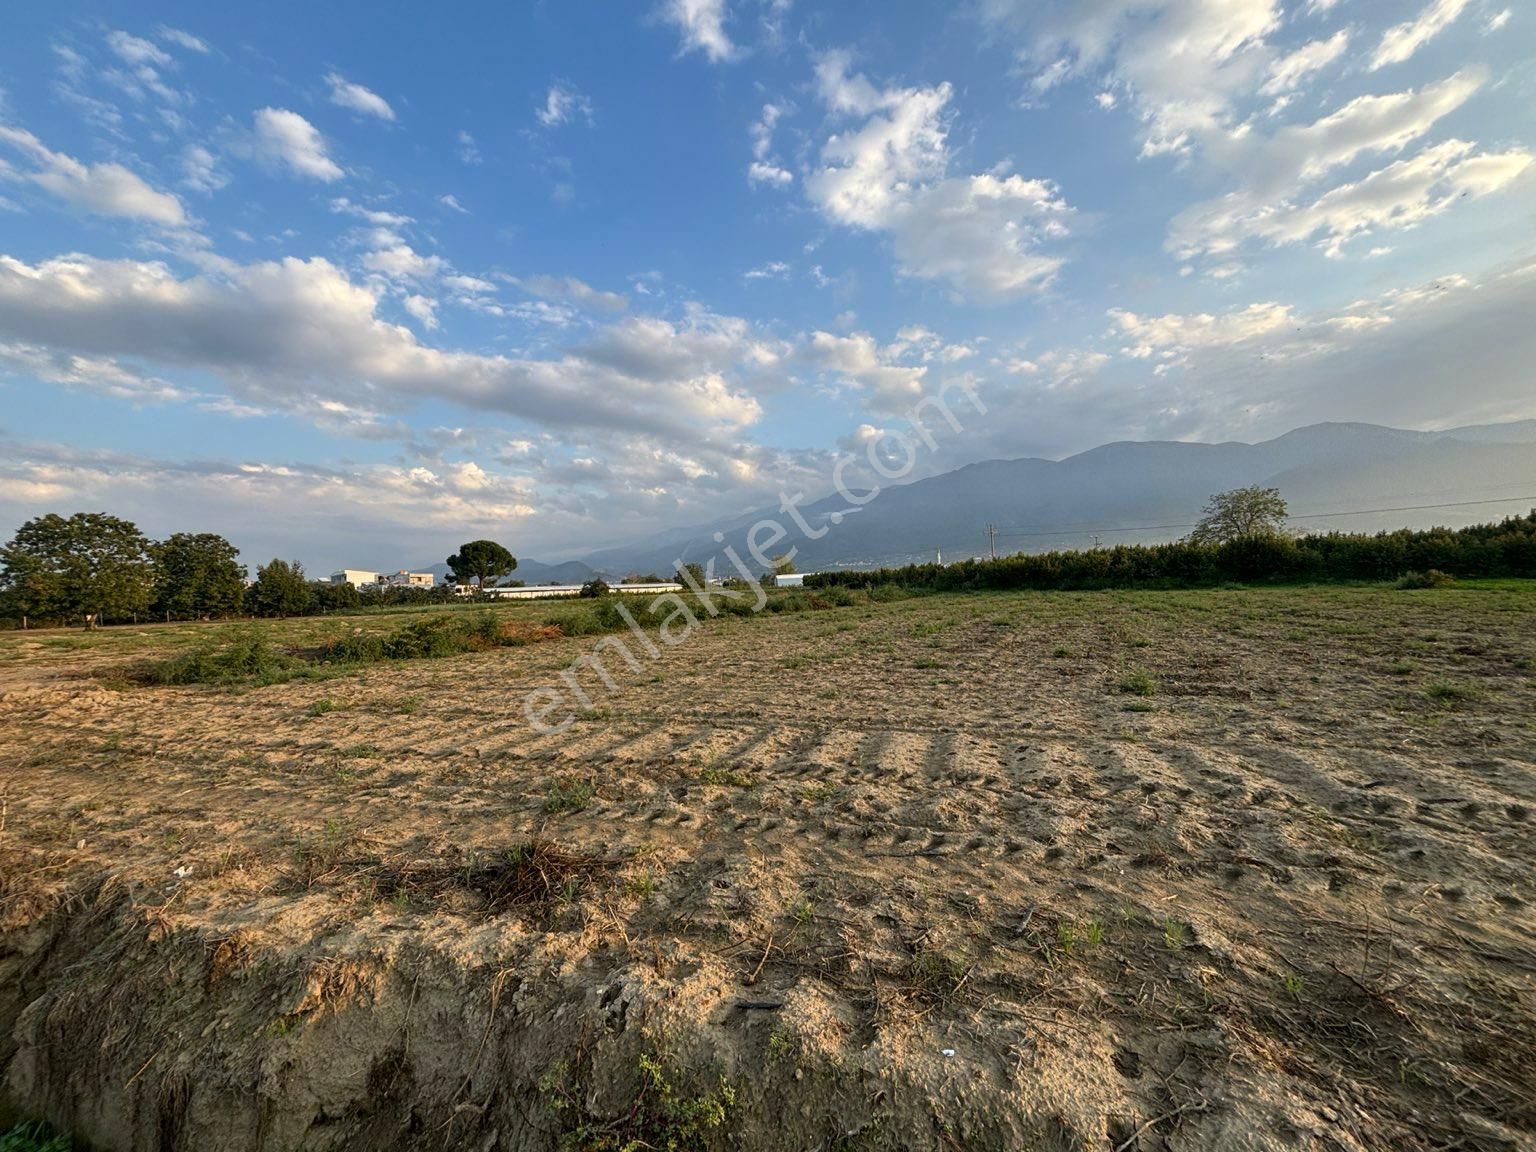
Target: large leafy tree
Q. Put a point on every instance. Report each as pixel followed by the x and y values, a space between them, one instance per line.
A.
pixel 483 561
pixel 196 574
pixel 280 589
pixel 86 565
pixel 1241 514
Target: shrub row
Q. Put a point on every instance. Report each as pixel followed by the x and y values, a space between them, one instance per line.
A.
pixel 247 655
pixel 1488 550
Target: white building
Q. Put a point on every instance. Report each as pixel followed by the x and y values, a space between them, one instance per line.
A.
pixel 404 579
pixel 355 577
pixel 541 591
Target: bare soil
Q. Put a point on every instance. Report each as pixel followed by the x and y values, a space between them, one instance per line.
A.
pixel 1210 870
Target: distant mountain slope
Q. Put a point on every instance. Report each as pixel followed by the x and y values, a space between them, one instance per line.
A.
pixel 1131 492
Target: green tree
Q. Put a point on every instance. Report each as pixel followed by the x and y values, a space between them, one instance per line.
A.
pixel 594 589
pixel 482 561
pixel 1240 514
pixel 327 597
pixel 196 574
pixel 280 590
pixel 695 571
pixel 89 565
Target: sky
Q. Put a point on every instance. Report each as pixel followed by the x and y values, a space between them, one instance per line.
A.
pixel 352 284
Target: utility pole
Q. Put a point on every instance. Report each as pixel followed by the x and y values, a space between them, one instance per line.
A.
pixel 992 539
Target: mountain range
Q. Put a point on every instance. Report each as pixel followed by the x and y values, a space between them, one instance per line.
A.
pixel 1346 477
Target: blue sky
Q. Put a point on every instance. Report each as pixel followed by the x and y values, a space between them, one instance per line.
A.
pixel 353 288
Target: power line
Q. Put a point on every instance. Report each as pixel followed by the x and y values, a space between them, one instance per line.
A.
pixel 1298 516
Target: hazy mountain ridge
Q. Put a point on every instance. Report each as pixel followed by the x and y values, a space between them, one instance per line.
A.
pixel 1134 491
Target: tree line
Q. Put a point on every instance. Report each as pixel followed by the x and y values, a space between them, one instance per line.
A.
pixel 94 568
pixel 1506 548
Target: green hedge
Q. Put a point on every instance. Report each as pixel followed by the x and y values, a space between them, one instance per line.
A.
pixel 1488 550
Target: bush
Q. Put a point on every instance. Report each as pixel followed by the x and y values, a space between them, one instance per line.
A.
pixel 1434 578
pixel 246 656
pixel 594 589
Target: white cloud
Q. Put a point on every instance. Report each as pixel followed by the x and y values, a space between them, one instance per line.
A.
pixel 775 270
pixel 356 98
pixel 980 233
pixel 562 104
pixel 761 173
pixel 143 59
pixel 448 200
pixel 375 216
pixel 292 334
pixel 701 24
pixel 765 168
pixel 1280 202
pixel 571 289
pixel 889 387
pixel 200 170
pixel 1402 41
pixel 183 40
pixel 105 189
pixel 101 375
pixel 1172 337
pixel 1288 72
pixel 424 309
pixel 1182 61
pixel 1497 21
pixel 402 262
pixel 285 139
pixel 470 284
pixel 469 150
pixel 133 50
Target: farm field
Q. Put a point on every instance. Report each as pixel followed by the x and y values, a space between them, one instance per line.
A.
pixel 1228 869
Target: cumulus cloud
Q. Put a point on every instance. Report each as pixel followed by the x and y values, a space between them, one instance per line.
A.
pixel 890 387
pixel 399 261
pixel 1403 40
pixel 286 140
pixel 356 98
pixel 562 104
pixel 104 189
pixel 701 24
pixel 888 173
pixel 282 334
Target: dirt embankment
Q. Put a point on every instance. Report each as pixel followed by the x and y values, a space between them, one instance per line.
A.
pixel 140 1034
